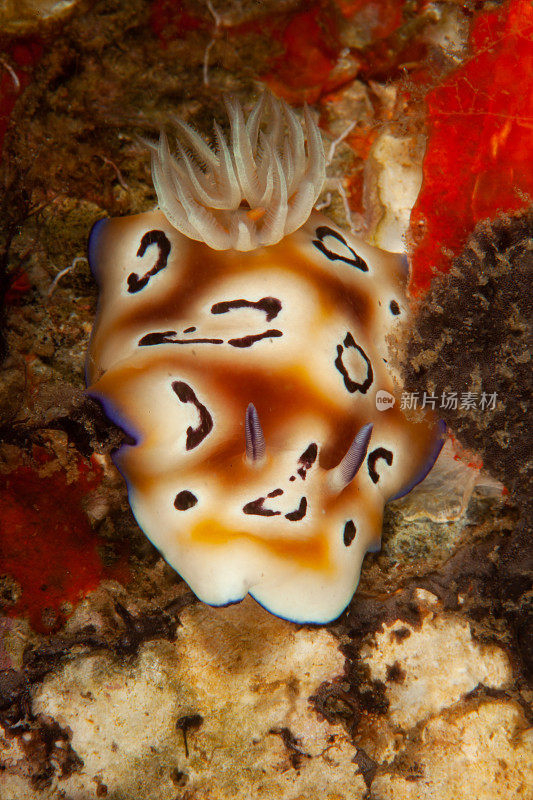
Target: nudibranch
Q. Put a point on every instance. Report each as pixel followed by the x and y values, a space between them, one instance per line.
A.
pixel 241 342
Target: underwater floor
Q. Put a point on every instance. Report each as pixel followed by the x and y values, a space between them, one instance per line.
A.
pixel 116 681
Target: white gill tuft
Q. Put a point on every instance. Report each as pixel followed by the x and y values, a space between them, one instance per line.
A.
pixel 249 193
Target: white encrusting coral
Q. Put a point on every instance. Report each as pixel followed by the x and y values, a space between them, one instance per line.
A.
pixel 252 192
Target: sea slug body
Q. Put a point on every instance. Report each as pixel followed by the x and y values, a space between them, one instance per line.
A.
pixel 240 340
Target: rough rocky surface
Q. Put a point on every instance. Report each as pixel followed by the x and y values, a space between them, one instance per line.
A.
pixel 225 708
pixel 114 681
pixel 27 16
pixel 473 334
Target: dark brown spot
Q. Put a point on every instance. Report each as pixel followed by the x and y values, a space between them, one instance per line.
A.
pixel 400 634
pixel 296 516
pixel 394 307
pixel 135 283
pixel 160 337
pixel 163 338
pixel 185 500
pixel 351 385
pixel 395 673
pixel 178 777
pixel 355 261
pixel 270 305
pixel 256 507
pixel 275 493
pixel 308 457
pixel 375 455
pixel 190 330
pixel 349 533
pixel 367 766
pixel 194 435
pixel 190 722
pixel 248 341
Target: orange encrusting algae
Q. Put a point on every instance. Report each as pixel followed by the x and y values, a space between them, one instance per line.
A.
pixel 486 103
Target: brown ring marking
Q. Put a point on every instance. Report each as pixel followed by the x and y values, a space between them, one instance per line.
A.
pixel 323 231
pixel 350 384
